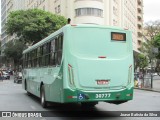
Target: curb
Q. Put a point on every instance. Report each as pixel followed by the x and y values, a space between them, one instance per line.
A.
pixel 153 90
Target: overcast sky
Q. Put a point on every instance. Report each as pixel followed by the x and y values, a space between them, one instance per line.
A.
pixel 151 10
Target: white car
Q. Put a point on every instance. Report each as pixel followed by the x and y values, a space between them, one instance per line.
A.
pixel 6 75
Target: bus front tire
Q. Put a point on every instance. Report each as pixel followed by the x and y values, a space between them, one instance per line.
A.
pixel 43 99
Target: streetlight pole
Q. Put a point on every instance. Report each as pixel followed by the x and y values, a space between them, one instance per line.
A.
pixel 151 75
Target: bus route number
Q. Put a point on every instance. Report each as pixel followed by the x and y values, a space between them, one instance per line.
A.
pixel 105 95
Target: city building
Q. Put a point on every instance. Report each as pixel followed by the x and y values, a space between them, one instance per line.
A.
pixel 6 7
pixel 139 23
pixel 127 14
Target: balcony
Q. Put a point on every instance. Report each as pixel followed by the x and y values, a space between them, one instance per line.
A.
pixel 139 25
pixel 89 4
pixel 90 0
pixel 139 34
pixel 139 9
pixel 139 2
pixel 139 17
pixel 139 44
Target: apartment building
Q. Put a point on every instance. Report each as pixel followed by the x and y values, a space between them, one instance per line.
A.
pixel 6 7
pixel 123 13
pixel 139 23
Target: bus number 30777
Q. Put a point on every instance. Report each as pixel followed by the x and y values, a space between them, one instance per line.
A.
pixel 107 95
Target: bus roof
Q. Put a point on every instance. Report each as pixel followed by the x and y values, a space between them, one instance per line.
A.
pixel 70 26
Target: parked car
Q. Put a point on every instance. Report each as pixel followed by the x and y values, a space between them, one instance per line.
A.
pixel 18 77
pixel 6 75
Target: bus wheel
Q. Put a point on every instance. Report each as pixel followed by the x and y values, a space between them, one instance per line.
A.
pixel 88 104
pixel 43 99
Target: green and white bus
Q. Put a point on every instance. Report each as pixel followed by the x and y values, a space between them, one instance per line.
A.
pixel 81 64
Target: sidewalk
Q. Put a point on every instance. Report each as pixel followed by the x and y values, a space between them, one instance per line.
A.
pixel 156 87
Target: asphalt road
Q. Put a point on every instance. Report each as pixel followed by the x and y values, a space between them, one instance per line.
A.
pixel 14 98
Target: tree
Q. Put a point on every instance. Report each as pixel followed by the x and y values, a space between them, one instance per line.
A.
pixel 14 51
pixel 33 25
pixel 151 30
pixel 0 47
pixel 157 44
pixel 142 63
pixel 147 49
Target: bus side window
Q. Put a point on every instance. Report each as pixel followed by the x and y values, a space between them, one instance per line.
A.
pixel 38 56
pixel 29 60
pixel 56 44
pixel 59 51
pixel 35 58
pixel 47 56
pixel 41 55
pixel 52 54
pixel 44 55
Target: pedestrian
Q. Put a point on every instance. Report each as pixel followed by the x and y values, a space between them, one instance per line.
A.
pixel 1 75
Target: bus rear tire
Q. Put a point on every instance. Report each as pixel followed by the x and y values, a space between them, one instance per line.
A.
pixel 42 97
pixel 88 104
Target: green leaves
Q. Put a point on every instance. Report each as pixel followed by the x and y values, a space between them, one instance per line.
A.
pixel 14 50
pixel 157 44
pixel 29 26
pixel 33 25
pixel 142 61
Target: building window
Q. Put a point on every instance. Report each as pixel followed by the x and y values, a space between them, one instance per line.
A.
pixel 89 12
pixel 58 9
pixel 43 7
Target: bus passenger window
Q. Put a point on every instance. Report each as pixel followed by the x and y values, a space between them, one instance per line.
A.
pixel 61 42
pixel 38 56
pixel 59 51
pixel 59 58
pixel 55 58
pixel 56 44
pixel 52 46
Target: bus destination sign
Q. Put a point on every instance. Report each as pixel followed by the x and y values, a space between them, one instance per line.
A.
pixel 118 36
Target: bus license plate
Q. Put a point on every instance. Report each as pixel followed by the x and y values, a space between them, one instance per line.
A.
pixel 102 96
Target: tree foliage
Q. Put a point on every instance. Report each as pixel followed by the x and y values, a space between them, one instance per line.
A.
pixel 14 50
pixel 152 32
pixel 0 47
pixel 33 25
pixel 147 49
pixel 152 29
pixel 142 61
pixel 157 44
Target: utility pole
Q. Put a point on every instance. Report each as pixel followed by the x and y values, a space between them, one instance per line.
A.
pixel 151 74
